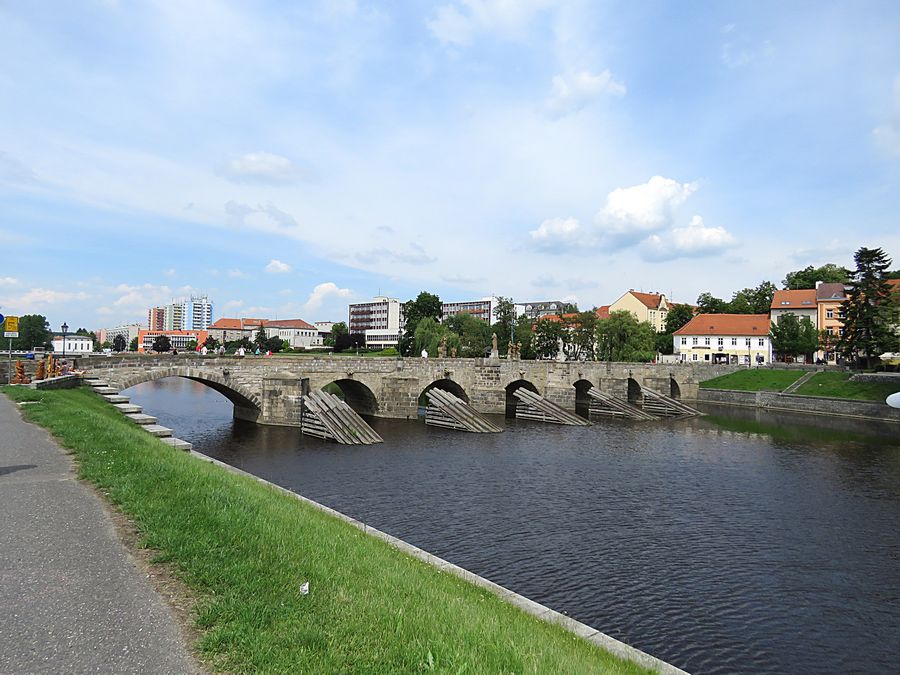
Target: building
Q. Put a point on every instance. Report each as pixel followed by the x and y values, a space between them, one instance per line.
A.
pixel 536 310
pixel 178 339
pixel 381 321
pixel 484 309
pixel 297 332
pixel 128 331
pixel 231 330
pixel 650 307
pixel 801 303
pixel 198 313
pixel 156 318
pixel 324 328
pixel 718 338
pixel 830 317
pixel 76 345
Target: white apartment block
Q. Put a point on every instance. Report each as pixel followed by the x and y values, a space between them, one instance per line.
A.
pixel 297 332
pixel 484 309
pixel 381 321
pixel 724 338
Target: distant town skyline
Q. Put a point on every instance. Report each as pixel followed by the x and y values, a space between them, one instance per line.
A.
pixel 290 160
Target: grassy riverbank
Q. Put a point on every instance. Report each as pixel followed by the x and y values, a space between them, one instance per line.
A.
pixel 838 385
pixel 755 379
pixel 245 549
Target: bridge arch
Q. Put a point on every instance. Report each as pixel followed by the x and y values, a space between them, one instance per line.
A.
pixel 247 404
pixel 635 394
pixel 582 400
pixel 511 400
pixel 447 385
pixel 357 395
pixel 674 388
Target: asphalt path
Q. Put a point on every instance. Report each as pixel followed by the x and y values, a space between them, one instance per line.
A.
pixel 72 599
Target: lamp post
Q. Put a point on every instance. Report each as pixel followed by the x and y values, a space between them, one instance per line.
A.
pixel 65 329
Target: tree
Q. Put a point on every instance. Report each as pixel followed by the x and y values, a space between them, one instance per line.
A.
pixel 191 346
pixel 337 330
pixel 133 345
pixel 866 310
pixel 580 337
pixel 161 344
pixel 808 276
pixel 118 343
pixel 429 334
pixel 569 308
pixel 753 300
pixel 426 305
pixel 350 341
pixel 793 337
pixel 261 338
pixel 708 304
pixel 546 337
pixel 677 317
pixel 34 331
pixel 504 327
pixel 474 334
pixel 622 337
pixel 274 344
pixel 524 336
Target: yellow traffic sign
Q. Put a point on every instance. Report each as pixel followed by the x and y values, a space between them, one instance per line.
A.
pixel 12 324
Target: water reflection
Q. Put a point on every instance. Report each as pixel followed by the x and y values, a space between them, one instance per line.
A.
pixel 735 542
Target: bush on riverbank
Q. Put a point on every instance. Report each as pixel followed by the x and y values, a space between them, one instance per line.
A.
pixel 246 549
pixel 755 379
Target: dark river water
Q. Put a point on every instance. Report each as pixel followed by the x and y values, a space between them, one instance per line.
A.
pixel 736 542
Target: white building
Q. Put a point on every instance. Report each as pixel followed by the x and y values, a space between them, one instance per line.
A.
pixel 538 309
pixel 193 314
pixel 484 309
pixel 724 338
pixel 76 345
pixel 297 332
pixel 381 321
pixel 128 331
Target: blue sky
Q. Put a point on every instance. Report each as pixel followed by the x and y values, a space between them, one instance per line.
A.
pixel 289 158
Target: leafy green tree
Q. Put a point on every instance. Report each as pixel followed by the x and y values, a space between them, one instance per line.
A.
pixel 274 344
pixel 580 336
pixel 133 345
pixel 677 317
pixel 622 337
pixel 191 346
pixel 337 330
pixel 569 308
pixel 426 305
pixel 753 300
pixel 792 336
pixel 429 334
pixel 118 343
pixel 211 343
pixel 34 331
pixel 161 344
pixel 474 334
pixel 524 335
pixel 866 310
pixel 808 276
pixel 709 304
pixel 261 338
pixel 546 338
pixel 350 341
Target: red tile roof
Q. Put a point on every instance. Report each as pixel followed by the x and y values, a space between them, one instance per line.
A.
pixel 726 324
pixel 802 299
pixel 289 323
pixel 650 300
pixel 603 312
pixel 227 324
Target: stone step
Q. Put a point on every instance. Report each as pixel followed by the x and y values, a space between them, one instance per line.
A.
pixel 115 398
pixel 157 430
pixel 128 408
pixel 141 418
pixel 177 443
pixel 106 390
pixel 93 380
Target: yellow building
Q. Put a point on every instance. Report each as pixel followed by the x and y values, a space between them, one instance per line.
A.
pixel 651 307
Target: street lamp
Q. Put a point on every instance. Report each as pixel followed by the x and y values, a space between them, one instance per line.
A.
pixel 65 329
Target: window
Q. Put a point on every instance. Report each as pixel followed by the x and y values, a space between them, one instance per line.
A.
pixel 706 341
pixel 720 342
pixel 734 342
pixel 762 342
pixel 684 341
pixel 829 314
pixel 747 341
pixel 694 341
pixel 830 331
pixel 694 357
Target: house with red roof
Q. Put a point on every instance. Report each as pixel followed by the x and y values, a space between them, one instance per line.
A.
pixel 651 307
pixel 724 338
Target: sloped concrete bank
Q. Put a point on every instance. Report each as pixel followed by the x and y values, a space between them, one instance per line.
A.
pixel 536 609
pixel 814 405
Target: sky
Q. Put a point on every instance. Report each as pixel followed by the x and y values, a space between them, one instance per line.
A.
pixel 288 158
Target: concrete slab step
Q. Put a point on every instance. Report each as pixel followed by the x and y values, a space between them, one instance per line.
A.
pixel 128 408
pixel 177 443
pixel 106 390
pixel 157 430
pixel 116 398
pixel 95 381
pixel 141 418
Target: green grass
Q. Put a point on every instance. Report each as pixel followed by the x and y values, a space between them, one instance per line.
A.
pixel 838 385
pixel 245 549
pixel 754 379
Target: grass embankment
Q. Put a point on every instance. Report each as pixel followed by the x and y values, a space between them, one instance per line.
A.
pixel 245 549
pixel 838 385
pixel 755 379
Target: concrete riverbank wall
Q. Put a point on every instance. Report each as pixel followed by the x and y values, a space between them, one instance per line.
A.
pixel 814 405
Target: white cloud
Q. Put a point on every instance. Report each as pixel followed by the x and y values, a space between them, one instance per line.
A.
pixel 105 311
pixel 458 23
pixel 417 256
pixel 574 92
pixel 557 234
pixel 8 281
pixel 268 218
pixel 694 241
pixel 277 267
pixel 237 274
pixel 323 291
pixel 147 295
pixel 888 134
pixel 631 213
pixel 263 168
pixel 233 304
pixel 43 296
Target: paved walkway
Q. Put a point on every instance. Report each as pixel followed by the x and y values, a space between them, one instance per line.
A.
pixel 72 599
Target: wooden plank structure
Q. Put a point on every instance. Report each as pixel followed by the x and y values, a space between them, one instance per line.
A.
pixel 324 415
pixel 532 406
pixel 665 406
pixel 450 412
pixel 605 404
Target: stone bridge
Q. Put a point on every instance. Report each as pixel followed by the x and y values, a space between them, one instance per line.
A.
pixel 269 390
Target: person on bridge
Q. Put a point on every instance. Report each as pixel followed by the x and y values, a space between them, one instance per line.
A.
pixel 424 353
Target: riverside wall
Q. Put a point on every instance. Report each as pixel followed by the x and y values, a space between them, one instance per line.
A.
pixel 814 405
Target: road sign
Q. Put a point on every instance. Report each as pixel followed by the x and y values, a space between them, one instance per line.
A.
pixel 11 327
pixel 2 318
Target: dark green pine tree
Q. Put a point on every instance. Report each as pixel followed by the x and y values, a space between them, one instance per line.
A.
pixel 866 328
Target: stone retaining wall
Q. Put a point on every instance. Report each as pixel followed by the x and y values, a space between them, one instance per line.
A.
pixel 817 405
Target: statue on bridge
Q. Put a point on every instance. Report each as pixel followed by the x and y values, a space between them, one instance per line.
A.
pixel 442 348
pixel 495 353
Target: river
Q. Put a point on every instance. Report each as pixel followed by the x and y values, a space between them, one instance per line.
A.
pixel 736 542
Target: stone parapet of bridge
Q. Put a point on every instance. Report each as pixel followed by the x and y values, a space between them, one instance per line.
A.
pixel 269 390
